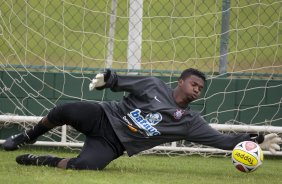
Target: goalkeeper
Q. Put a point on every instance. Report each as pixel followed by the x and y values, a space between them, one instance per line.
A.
pixel 152 114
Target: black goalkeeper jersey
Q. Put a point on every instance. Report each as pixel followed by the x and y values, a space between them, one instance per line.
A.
pixel 148 116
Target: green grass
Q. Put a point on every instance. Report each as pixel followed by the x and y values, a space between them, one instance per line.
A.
pixel 175 34
pixel 143 169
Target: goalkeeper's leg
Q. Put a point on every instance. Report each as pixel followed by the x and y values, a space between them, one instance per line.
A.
pixel 96 154
pixel 84 117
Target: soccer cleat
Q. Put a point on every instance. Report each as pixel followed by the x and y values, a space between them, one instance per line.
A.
pixel 44 160
pixel 27 159
pixel 16 141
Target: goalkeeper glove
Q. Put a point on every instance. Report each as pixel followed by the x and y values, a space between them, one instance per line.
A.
pixel 268 142
pixel 103 80
pixel 271 142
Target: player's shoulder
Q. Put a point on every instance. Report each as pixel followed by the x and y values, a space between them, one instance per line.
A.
pixel 157 83
pixel 155 80
pixel 196 115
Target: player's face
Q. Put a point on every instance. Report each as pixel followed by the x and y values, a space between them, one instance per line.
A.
pixel 191 87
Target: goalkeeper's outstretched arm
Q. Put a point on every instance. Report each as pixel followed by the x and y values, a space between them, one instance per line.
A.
pixel 132 84
pixel 202 133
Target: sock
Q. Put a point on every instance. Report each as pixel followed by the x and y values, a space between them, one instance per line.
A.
pixel 49 161
pixel 37 131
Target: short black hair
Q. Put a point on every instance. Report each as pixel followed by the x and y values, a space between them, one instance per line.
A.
pixel 192 71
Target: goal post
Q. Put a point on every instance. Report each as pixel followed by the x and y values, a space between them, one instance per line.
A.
pixel 135 21
pixel 171 148
pixel 50 51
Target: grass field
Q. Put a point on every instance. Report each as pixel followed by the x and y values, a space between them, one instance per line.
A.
pixel 143 169
pixel 176 34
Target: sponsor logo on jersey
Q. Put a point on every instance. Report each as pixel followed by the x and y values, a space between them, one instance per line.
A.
pixel 154 118
pixel 129 125
pixel 146 123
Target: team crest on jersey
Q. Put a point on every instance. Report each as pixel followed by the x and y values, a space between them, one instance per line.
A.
pixel 178 114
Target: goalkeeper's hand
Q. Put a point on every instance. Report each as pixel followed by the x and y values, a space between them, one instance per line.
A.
pixel 271 142
pixel 100 80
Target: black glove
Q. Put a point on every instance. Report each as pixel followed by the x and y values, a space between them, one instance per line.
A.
pixel 257 138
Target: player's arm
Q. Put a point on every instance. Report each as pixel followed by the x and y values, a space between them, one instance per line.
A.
pixel 201 132
pixel 132 84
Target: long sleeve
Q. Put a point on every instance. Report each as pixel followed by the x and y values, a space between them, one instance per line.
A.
pixel 136 85
pixel 200 132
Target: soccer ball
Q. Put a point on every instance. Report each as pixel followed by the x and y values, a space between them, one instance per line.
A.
pixel 247 156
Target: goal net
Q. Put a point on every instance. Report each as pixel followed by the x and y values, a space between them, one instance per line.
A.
pixel 50 51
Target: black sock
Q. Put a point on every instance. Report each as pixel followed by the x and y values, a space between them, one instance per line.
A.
pixel 49 161
pixel 37 131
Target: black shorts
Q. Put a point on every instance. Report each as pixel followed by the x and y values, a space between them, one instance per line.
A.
pixel 101 145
